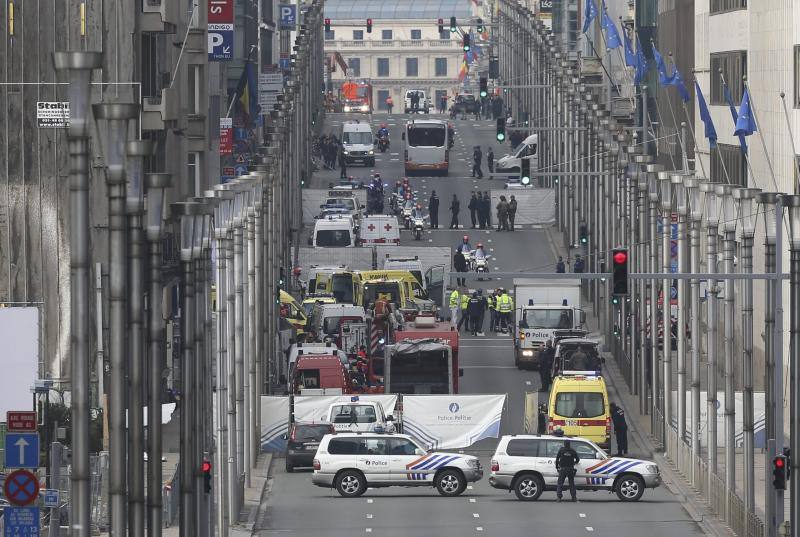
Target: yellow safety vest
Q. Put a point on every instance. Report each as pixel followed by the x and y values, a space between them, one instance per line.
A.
pixel 491 300
pixel 464 301
pixel 504 304
pixel 454 299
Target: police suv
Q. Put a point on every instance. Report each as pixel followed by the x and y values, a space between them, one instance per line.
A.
pixel 526 464
pixel 351 462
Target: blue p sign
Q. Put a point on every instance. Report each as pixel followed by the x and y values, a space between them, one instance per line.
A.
pixel 288 16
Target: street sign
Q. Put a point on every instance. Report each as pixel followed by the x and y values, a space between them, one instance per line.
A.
pixel 50 497
pixel 21 421
pixel 21 522
pixel 288 16
pixel 285 63
pixel 220 41
pixel 21 487
pixel 269 86
pixel 22 450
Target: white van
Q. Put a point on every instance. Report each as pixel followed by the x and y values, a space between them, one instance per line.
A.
pixel 411 264
pixel 379 229
pixel 424 104
pixel 334 232
pixel 358 143
pixel 511 162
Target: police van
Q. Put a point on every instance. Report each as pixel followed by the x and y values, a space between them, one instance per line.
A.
pixel 526 465
pixel 351 462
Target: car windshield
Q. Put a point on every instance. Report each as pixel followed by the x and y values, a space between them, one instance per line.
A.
pixel 427 136
pixel 548 318
pixel 333 238
pixel 343 288
pixel 311 433
pixel 348 204
pixel 353 414
pixel 579 404
pixel 363 91
pixel 364 138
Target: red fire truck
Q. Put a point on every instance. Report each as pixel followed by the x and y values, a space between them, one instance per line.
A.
pixel 356 96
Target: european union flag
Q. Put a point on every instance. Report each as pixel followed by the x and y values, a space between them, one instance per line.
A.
pixel 641 63
pixel 630 56
pixel 729 98
pixel 677 81
pixel 746 124
pixel 663 77
pixel 711 132
pixel 589 13
pixel 612 35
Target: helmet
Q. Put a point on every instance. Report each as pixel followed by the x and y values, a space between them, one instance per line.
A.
pixel 383 125
pixel 377 175
pixel 397 183
pixel 419 206
pixel 466 238
pixel 480 245
pixel 405 180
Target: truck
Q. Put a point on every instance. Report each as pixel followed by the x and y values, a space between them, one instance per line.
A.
pixel 543 307
pixel 356 96
pixel 355 415
pixel 320 374
pixel 424 359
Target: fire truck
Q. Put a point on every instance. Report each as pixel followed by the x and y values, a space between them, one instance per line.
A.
pixel 356 96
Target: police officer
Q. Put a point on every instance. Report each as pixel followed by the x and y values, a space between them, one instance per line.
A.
pixel 475 311
pixel 579 266
pixel 464 310
pixel 492 303
pixel 566 460
pixel 561 268
pixel 505 305
pixel 546 356
pixel 454 303
pixel 620 429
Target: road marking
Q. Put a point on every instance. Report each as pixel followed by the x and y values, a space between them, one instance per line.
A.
pixel 527 382
pixel 470 487
pixel 582 515
pixel 472 500
pixel 478 528
pixel 430 240
pixel 475 515
pixel 489 366
pixel 369 515
pixel 370 500
pixel 395 154
pixel 488 240
pixel 369 530
pixel 589 528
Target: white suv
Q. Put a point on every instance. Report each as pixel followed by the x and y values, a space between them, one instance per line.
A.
pixel 526 465
pixel 351 462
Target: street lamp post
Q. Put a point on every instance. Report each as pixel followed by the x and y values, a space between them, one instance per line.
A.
pixel 696 199
pixel 112 141
pixel 136 152
pixel 79 67
pixel 665 199
pixel 156 185
pixel 745 198
pixel 793 204
pixel 682 205
pixel 652 195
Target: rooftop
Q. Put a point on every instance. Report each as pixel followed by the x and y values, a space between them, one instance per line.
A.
pixel 338 10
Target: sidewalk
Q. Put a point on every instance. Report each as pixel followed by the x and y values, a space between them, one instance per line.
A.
pixel 639 429
pixel 252 517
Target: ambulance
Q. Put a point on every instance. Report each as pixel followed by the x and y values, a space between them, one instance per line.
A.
pixel 579 406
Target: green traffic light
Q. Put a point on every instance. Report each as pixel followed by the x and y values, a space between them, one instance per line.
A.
pixel 483 94
pixel 500 136
pixel 452 29
pixel 615 300
pixel 526 181
pixel 584 240
pixel 466 48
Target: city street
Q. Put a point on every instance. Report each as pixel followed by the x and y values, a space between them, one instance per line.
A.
pixel 296 507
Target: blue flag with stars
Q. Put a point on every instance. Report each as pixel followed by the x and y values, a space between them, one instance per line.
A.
pixel 630 56
pixel 677 81
pixel 711 132
pixel 612 35
pixel 589 14
pixel 726 91
pixel 746 124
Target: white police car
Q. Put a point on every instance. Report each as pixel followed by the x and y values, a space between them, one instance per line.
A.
pixel 526 465
pixel 351 462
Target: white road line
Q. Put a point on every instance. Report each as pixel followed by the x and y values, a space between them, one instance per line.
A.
pixel 582 515
pixel 430 240
pixel 370 500
pixel 492 367
pixel 478 528
pixel 527 382
pixel 589 528
pixel 475 515
pixel 369 515
pixel 488 240
pixel 369 530
pixel 470 487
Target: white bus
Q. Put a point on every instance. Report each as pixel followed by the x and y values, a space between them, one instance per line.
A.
pixel 427 146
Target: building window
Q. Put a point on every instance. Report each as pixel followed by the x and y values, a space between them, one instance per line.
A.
pixel 383 66
pixel 194 171
pixel 721 6
pixel 358 35
pixel 440 66
pixel 195 89
pixel 382 96
pixel 444 35
pixel 735 165
pixel 354 66
pixel 386 34
pixel 330 36
pixel 412 67
pixel 416 34
pixel 797 76
pixel 734 67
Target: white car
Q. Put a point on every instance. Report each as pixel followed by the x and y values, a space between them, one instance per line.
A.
pixel 526 465
pixel 351 462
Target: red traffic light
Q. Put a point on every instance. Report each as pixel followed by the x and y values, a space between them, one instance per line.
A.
pixel 620 257
pixel 206 467
pixel 441 21
pixel 780 462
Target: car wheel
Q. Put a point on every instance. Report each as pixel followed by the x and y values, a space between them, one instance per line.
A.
pixel 289 467
pixel 450 483
pixel 528 487
pixel 630 488
pixel 351 484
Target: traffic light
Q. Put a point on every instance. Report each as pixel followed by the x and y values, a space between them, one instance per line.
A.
pixel 619 272
pixel 369 26
pixel 327 25
pixel 583 234
pixel 484 86
pixel 441 26
pixel 525 171
pixel 779 472
pixel 206 467
pixel 453 25
pixel 480 26
pixel 494 67
pixel 466 42
pixel 501 129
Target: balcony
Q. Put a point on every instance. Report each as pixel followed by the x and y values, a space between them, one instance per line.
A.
pixel 159 16
pixel 159 113
pixel 383 44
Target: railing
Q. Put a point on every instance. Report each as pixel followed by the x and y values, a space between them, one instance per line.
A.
pixel 391 43
pixel 172 498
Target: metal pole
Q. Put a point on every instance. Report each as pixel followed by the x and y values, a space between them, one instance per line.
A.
pixel 793 204
pixel 253 334
pixel 666 297
pixel 230 363
pixel 113 140
pixel 712 322
pixel 682 206
pixel 652 181
pixel 238 274
pixel 696 207
pixel 79 66
pixel 778 396
pixel 156 183
pixel 55 482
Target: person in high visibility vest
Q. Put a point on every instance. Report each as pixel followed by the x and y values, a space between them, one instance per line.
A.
pixel 505 305
pixel 464 320
pixel 492 302
pixel 455 302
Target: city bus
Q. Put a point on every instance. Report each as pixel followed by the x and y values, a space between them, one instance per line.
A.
pixel 426 146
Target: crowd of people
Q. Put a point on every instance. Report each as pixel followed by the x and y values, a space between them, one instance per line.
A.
pixel 468 310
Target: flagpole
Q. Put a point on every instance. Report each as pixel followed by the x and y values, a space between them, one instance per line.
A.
pixel 694 140
pixel 760 134
pixel 746 153
pixel 791 137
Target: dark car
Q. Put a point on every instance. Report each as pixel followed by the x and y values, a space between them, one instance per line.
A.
pixel 466 104
pixel 302 442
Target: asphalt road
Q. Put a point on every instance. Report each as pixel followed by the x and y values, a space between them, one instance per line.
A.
pixel 296 507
